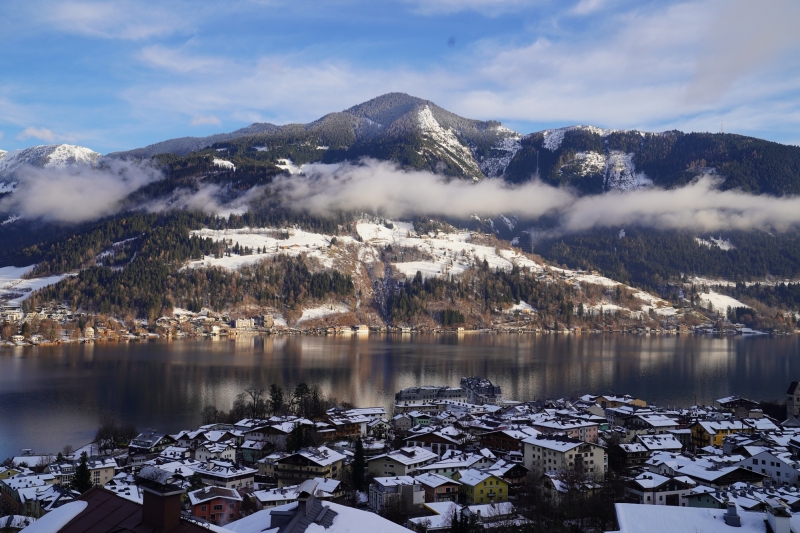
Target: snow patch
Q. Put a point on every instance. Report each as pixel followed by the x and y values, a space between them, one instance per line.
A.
pixel 222 163
pixel 9 220
pixel 505 150
pixel 522 307
pixel 722 244
pixel 286 164
pixel 553 138
pixel 621 173
pixel 448 142
pixel 721 302
pixel 315 313
pixel 14 289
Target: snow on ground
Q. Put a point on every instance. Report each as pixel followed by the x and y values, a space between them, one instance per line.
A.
pixel 522 306
pixel 299 242
pixel 720 301
pixel 447 139
pixel 621 173
pixel 222 163
pixel 553 138
pixel 12 283
pixel 507 148
pixel 10 219
pixel 315 313
pixel 722 244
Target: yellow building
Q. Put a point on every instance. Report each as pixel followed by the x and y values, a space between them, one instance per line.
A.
pixel 712 433
pixel 478 486
pixel 611 401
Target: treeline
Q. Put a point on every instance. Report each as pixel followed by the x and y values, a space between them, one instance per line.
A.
pixel 781 295
pixel 670 159
pixel 484 290
pixel 151 285
pixel 650 258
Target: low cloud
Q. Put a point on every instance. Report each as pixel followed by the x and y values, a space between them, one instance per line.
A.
pixel 381 187
pixel 699 206
pixel 76 193
pixel 213 199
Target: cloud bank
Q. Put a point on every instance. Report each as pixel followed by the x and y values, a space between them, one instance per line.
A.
pixel 76 193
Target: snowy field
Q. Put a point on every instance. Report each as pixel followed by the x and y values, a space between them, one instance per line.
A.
pixel 720 301
pixel 12 283
pixel 322 311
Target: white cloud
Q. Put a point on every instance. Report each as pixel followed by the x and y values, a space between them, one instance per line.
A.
pixel 639 69
pixel 200 120
pixel 486 7
pixel 38 133
pixel 76 193
pixel 123 19
pixel 587 7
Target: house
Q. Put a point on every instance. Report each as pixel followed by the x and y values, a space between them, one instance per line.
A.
pixel 781 470
pixel 480 486
pixel 402 422
pixel 629 455
pixel 436 441
pixel 577 429
pixel 221 473
pixel 331 490
pixel 404 490
pixel 660 443
pixel 654 489
pixel 308 463
pixel 635 518
pixel 13 523
pixel 101 511
pixel 740 407
pixel 557 486
pixel 308 510
pixel 217 505
pixel 713 432
pixel 608 401
pixel 438 488
pixel 504 441
pixel 38 501
pixel 454 461
pixel 403 462
pixel 215 450
pixel 546 453
pixel 149 442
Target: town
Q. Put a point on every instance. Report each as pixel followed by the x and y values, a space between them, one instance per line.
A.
pixel 447 459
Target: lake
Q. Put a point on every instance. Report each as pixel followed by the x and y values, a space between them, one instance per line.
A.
pixel 52 396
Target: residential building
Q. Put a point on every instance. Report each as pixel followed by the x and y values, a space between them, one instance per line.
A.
pixel 221 473
pixel 390 490
pixel 215 450
pixel 403 462
pixel 438 488
pixel 308 463
pixel 480 486
pixel 654 489
pixel 217 505
pixel 481 391
pixel 545 453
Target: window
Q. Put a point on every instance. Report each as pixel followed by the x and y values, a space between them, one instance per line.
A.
pixel 755 461
pixel 203 508
pixel 218 507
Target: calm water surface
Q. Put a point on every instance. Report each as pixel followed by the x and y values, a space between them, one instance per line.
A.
pixel 51 396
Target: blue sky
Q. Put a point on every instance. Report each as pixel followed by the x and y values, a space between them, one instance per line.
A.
pixel 118 75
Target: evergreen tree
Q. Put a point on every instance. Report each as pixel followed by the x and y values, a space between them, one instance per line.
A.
pixel 82 481
pixel 275 399
pixel 359 463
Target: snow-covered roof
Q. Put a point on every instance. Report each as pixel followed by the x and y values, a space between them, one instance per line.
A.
pixel 635 518
pixel 435 480
pixel 409 456
pixel 347 520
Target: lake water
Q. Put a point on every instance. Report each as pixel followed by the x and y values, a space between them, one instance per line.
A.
pixel 52 396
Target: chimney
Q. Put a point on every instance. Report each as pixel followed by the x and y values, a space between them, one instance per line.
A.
pixel 161 506
pixel 732 518
pixel 778 519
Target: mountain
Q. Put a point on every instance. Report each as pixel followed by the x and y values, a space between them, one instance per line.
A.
pixel 185 145
pixel 414 132
pixel 46 156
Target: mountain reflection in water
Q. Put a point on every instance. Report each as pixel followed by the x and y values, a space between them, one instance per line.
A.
pixel 51 396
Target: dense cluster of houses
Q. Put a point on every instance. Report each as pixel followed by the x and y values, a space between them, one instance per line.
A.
pixel 444 452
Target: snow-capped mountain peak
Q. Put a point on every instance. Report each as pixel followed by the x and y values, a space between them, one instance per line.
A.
pixel 47 156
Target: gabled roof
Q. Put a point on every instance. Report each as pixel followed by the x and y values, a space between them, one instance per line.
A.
pixel 207 494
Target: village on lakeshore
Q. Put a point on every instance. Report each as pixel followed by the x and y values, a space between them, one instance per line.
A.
pixel 55 325
pixel 447 459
